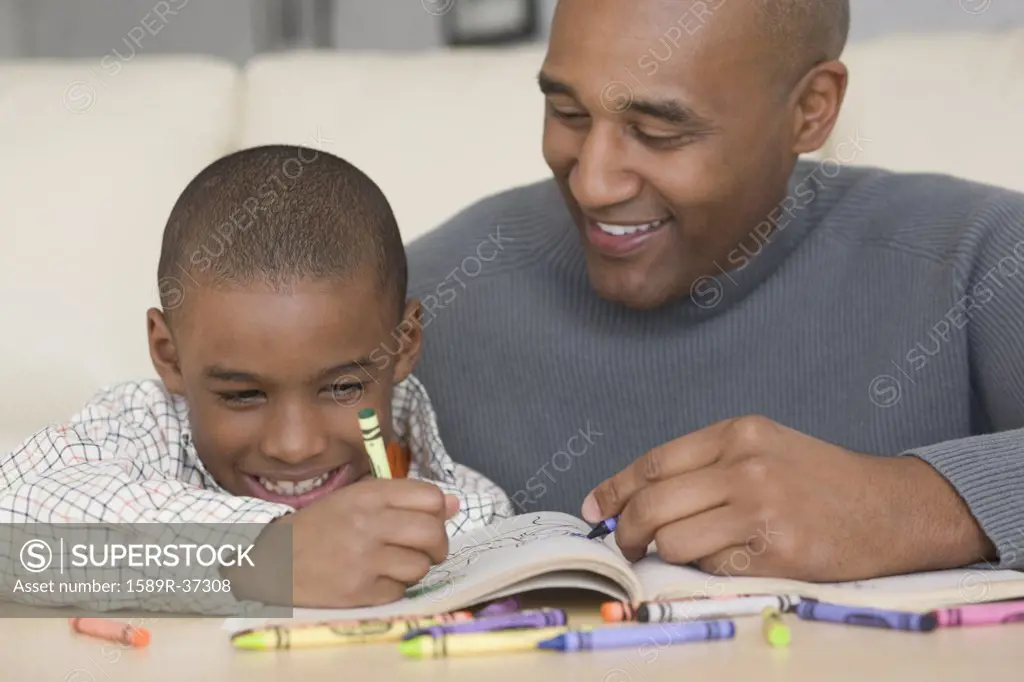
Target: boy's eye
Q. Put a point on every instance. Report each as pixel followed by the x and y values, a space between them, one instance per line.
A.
pixel 346 392
pixel 240 397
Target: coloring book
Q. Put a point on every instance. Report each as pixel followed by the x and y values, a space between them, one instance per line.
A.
pixel 550 550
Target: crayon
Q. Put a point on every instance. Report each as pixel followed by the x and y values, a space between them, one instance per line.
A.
pixel 615 637
pixel 981 614
pixel 374 442
pixel 480 643
pixel 306 636
pixel 617 611
pixel 537 618
pixel 111 630
pixel 496 608
pixel 776 633
pixel 604 528
pixel 677 611
pixel 875 618
pixel 430 620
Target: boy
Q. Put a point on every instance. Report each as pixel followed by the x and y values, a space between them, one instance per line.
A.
pixel 284 313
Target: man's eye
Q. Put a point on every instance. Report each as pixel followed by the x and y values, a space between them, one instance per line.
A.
pixel 658 140
pixel 567 115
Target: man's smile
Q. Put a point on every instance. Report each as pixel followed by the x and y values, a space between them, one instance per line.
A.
pixel 618 240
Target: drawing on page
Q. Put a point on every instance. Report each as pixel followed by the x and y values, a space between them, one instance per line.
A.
pixel 449 573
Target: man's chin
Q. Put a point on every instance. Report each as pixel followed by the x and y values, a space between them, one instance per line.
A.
pixel 632 292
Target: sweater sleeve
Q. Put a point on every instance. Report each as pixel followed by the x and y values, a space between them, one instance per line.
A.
pixel 987 469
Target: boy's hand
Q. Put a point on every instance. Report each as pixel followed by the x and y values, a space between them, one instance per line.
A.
pixel 364 544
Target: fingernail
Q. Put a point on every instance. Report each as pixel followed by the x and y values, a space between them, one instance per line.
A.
pixel 591 510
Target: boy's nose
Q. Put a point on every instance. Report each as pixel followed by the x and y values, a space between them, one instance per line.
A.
pixel 294 436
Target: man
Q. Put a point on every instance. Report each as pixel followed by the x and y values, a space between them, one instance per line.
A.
pixel 767 367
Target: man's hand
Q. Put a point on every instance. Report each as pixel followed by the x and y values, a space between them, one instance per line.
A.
pixel 364 544
pixel 749 496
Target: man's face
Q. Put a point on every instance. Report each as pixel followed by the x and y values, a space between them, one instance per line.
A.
pixel 274 382
pixel 665 136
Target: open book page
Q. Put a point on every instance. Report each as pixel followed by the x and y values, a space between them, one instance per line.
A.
pixel 913 592
pixel 525 552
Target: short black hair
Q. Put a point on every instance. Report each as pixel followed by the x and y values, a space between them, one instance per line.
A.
pixel 276 214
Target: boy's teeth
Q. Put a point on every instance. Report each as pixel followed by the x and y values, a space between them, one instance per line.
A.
pixel 294 487
pixel 622 230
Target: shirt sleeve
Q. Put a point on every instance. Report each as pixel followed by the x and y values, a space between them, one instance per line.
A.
pixel 987 469
pixel 481 501
pixel 113 469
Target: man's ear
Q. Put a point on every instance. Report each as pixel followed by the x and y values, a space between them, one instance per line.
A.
pixel 409 334
pixel 163 352
pixel 819 98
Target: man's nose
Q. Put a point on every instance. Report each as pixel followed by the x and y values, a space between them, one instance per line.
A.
pixel 600 178
pixel 294 433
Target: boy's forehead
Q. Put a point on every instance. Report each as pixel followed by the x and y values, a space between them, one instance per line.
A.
pixel 315 321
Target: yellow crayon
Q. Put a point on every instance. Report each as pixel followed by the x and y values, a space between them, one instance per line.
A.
pixel 306 636
pixel 478 644
pixel 775 632
pixel 374 442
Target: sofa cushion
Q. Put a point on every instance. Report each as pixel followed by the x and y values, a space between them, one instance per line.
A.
pixel 436 130
pixel 941 103
pixel 92 163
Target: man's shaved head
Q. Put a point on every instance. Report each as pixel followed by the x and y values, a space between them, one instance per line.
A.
pixel 804 32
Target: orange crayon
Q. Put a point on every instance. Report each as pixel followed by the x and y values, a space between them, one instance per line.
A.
pixel 111 630
pixel 617 612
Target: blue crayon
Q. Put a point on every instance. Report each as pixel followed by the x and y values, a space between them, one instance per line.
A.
pixel 534 618
pixel 872 618
pixel 617 637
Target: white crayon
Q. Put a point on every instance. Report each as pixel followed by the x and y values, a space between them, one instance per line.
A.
pixel 681 611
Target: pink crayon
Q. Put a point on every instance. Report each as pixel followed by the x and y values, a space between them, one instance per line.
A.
pixel 981 614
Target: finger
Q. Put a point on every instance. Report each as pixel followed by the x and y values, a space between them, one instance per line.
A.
pixel 451 506
pixel 702 536
pixel 688 453
pixel 405 565
pixel 665 502
pixel 385 591
pixel 412 495
pixel 413 530
pixel 735 560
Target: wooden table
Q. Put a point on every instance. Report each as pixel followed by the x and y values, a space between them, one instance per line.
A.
pixel 43 649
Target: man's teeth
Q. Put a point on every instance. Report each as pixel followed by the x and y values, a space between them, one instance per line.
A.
pixel 294 487
pixel 622 230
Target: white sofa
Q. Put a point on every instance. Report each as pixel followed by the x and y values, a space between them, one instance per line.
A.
pixel 93 155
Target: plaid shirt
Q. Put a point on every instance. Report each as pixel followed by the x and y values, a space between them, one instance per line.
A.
pixel 128 458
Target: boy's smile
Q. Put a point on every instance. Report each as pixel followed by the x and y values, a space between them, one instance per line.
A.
pixel 275 378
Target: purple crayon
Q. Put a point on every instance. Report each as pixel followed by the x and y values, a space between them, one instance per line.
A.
pixel 533 618
pixel 617 637
pixel 872 618
pixel 502 606
pixel 604 528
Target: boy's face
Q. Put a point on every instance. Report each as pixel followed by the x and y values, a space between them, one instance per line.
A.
pixel 274 381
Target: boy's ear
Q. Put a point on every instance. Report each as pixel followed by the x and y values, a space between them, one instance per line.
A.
pixel 163 352
pixel 409 333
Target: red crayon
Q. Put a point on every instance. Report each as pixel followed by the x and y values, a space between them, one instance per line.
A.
pixel 981 614
pixel 111 630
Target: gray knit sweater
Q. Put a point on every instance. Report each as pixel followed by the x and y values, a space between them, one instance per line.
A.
pixel 886 316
